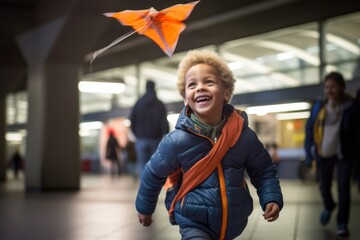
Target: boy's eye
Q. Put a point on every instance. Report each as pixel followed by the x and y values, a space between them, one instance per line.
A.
pixel 191 85
pixel 210 82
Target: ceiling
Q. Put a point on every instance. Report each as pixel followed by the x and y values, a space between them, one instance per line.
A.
pixel 278 59
pixel 211 23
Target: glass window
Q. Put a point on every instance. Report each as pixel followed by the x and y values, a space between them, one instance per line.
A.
pixel 16 108
pixel 342 45
pixel 279 59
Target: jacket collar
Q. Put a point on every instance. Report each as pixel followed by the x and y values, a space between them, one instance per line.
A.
pixel 184 122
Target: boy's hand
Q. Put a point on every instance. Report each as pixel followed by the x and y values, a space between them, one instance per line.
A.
pixel 271 212
pixel 145 220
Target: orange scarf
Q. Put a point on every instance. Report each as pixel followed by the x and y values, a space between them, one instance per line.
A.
pixel 204 167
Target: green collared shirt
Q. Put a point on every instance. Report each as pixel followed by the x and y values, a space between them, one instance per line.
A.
pixel 207 130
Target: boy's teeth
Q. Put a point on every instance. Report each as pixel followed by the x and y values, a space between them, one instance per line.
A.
pixel 202 99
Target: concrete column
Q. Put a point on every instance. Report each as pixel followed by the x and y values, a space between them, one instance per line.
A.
pixel 54 54
pixel 52 147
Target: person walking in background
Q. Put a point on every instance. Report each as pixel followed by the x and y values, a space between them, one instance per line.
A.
pixel 112 153
pixel 327 141
pixel 206 157
pixel 17 163
pixel 130 156
pixel 273 151
pixel 149 124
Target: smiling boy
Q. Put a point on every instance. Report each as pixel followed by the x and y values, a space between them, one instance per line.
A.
pixel 212 145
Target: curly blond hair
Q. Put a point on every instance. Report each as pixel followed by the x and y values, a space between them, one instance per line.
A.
pixel 208 57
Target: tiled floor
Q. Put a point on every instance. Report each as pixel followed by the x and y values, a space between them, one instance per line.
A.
pixel 104 210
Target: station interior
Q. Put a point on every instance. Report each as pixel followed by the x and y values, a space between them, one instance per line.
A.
pixel 278 50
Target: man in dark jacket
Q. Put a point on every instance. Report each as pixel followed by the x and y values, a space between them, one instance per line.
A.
pixel 149 124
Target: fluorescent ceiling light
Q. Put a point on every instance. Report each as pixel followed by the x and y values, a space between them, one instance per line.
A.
pixel 84 133
pixel 286 107
pixel 101 87
pixel 91 125
pixel 294 115
pixel 13 137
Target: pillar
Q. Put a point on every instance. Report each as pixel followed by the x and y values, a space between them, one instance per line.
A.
pixel 52 143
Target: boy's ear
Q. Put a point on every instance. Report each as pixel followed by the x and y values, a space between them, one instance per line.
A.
pixel 227 95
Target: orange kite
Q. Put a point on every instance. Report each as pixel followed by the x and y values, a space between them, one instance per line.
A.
pixel 163 27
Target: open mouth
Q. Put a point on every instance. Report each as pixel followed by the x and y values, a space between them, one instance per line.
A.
pixel 202 99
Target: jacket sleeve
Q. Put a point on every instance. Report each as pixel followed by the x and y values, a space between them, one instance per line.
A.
pixel 162 163
pixel 263 173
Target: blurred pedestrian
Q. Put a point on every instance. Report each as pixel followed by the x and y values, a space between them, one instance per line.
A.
pixel 130 156
pixel 274 153
pixel 17 162
pixel 149 124
pixel 326 141
pixel 112 153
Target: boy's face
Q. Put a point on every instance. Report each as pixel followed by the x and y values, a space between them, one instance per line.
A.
pixel 205 94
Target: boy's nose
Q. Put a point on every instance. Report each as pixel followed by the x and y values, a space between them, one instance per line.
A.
pixel 200 88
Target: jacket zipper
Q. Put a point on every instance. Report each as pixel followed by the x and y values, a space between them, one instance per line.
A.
pixel 222 184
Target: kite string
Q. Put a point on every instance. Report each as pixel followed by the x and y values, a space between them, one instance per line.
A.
pixel 116 41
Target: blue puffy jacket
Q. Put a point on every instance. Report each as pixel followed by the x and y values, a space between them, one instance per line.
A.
pixel 202 207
